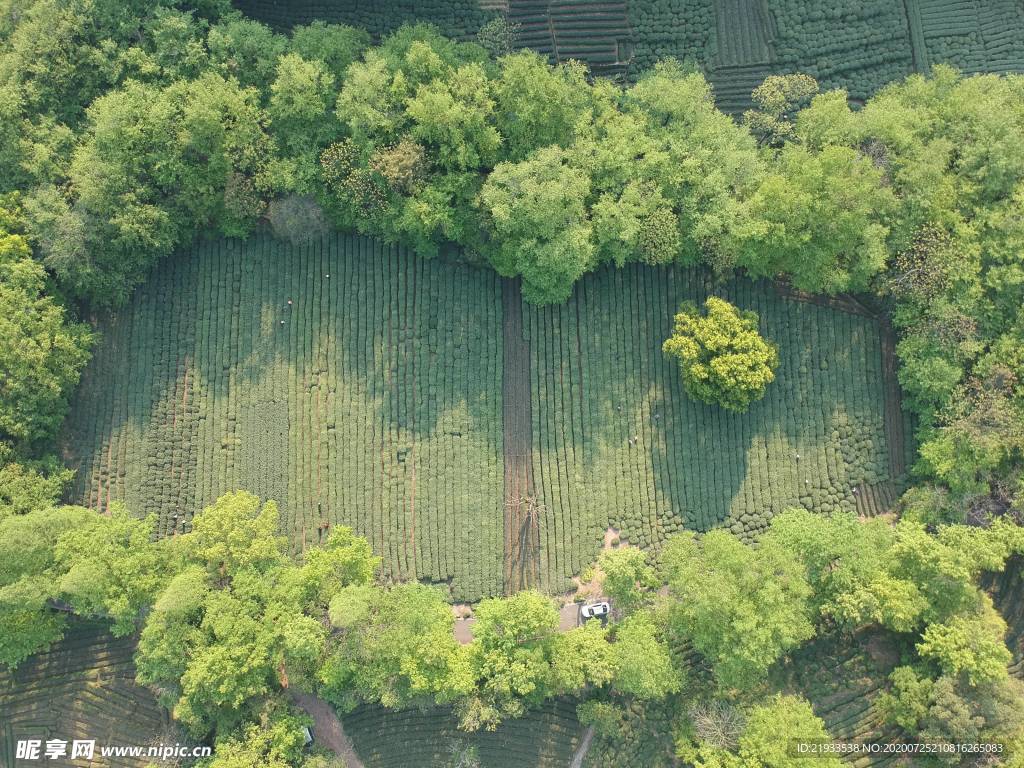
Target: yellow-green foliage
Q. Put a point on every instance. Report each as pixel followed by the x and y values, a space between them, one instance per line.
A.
pixel 723 357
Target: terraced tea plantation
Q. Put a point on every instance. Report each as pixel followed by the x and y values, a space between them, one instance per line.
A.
pixel 843 682
pixel 617 442
pixel 859 45
pixel 543 738
pixel 473 439
pixel 82 688
pixel 348 381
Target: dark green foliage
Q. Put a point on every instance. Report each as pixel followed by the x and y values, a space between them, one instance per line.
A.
pixel 945 145
pixel 776 101
pixel 239 620
pixel 100 566
pixel 859 46
pixel 335 45
pixel 392 646
pixel 499 36
pixel 26 485
pixel 949 710
pixel 461 19
pixel 42 354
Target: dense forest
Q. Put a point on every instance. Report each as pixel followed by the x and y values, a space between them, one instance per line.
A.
pixel 130 129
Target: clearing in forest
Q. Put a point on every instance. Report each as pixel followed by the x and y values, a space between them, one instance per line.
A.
pixel 347 380
pixel 617 441
pixel 475 440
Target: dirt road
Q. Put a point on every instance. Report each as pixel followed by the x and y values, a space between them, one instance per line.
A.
pixel 327 728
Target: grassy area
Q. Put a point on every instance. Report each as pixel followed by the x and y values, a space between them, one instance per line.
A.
pixel 545 738
pixel 82 688
pixel 375 399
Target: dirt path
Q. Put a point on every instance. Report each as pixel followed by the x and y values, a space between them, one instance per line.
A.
pixel 581 751
pixel 522 542
pixel 327 728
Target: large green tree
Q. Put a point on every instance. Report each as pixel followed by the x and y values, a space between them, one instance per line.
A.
pixel 155 165
pixel 392 646
pixel 818 218
pixel 536 212
pixel 537 105
pixel 757 609
pixel 642 665
pixel 626 577
pixel 507 667
pixel 722 356
pixel 43 351
pixel 240 621
pixel 54 559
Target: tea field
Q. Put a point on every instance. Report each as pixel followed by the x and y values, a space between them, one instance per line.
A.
pixel 348 381
pixel 843 681
pixel 475 440
pixel 82 688
pixel 542 738
pixel 859 45
pixel 617 442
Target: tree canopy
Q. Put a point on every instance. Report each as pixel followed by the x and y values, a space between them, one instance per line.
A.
pixel 758 609
pixel 43 353
pixel 723 358
pixel 128 129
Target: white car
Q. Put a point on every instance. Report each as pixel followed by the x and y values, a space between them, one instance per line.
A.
pixel 594 611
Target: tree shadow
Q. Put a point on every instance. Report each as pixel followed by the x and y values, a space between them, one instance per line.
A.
pixel 644 457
